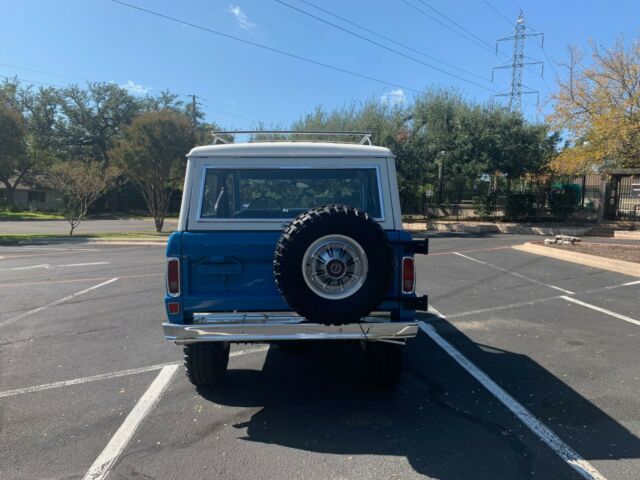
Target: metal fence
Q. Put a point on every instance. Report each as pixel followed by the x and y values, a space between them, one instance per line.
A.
pixel 553 199
pixel 625 198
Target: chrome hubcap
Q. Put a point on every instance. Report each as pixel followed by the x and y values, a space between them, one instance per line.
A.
pixel 335 267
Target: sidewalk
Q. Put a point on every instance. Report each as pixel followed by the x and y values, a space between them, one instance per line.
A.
pixel 547 229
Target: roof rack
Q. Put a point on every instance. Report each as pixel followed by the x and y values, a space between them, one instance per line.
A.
pixel 218 137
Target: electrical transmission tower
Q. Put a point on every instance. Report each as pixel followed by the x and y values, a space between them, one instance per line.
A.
pixel 518 64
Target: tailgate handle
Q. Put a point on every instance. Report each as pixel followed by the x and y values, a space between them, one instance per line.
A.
pixel 219 265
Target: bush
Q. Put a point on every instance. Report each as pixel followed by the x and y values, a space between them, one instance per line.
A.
pixel 484 206
pixel 563 200
pixel 522 206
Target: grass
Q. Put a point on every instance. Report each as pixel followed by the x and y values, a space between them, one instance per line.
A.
pixel 30 237
pixel 26 215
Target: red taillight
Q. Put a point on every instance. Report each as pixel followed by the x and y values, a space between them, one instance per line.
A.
pixel 173 277
pixel 174 307
pixel 408 275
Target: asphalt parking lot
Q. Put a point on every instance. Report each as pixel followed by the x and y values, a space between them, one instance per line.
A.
pixel 530 370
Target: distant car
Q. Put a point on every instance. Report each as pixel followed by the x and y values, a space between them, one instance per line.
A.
pixel 291 243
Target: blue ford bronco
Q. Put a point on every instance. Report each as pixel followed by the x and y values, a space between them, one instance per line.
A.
pixel 291 243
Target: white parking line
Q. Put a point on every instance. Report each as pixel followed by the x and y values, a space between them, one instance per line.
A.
pixel 538 300
pixel 544 433
pixel 515 274
pixel 601 310
pixel 29 267
pixel 106 376
pixel 59 249
pixel 48 266
pixel 57 302
pixel 120 439
pixel 102 465
pixel 88 264
pixel 79 381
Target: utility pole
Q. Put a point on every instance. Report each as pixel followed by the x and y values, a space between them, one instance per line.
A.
pixel 518 64
pixel 194 112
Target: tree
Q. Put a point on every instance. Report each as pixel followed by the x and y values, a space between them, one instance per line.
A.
pixel 91 119
pixel 151 154
pixel 443 130
pixel 79 184
pixel 38 112
pixel 13 159
pixel 599 105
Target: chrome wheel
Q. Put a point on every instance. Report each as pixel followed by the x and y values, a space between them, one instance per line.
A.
pixel 335 267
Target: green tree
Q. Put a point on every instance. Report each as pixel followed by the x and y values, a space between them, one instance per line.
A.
pixel 91 119
pixel 79 183
pixel 151 154
pixel 13 159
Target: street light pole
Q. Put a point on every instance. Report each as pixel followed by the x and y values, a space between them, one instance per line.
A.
pixel 441 177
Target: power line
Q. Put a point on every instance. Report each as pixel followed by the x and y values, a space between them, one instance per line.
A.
pixel 549 60
pixel 265 47
pixel 74 77
pixel 423 2
pixel 466 37
pixel 391 40
pixel 500 14
pixel 31 81
pixel 397 52
pixel 43 71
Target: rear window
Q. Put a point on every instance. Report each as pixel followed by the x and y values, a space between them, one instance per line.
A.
pixel 286 192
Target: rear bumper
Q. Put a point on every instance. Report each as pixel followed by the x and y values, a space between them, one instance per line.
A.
pixel 267 327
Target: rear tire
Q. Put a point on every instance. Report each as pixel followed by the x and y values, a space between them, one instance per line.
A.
pixel 384 363
pixel 206 363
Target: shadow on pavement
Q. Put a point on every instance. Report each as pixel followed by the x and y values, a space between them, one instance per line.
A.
pixel 439 418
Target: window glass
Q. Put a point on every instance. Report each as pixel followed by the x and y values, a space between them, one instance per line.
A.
pixel 287 192
pixel 37 197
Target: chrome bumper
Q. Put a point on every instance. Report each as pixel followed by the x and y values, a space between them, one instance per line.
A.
pixel 267 327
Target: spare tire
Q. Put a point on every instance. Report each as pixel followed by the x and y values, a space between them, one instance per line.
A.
pixel 333 264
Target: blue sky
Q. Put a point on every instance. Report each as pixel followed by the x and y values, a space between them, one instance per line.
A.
pixel 240 84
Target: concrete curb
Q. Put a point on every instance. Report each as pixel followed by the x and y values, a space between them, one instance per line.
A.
pixel 508 228
pixel 619 266
pixel 627 234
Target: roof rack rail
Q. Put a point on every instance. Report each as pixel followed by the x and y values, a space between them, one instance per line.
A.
pixel 218 137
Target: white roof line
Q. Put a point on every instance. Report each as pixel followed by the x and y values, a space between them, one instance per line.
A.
pixel 290 149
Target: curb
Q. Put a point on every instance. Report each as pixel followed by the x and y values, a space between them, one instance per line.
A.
pixel 619 266
pixel 506 228
pixel 627 234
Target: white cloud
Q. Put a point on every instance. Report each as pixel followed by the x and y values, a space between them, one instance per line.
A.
pixel 241 17
pixel 394 97
pixel 135 88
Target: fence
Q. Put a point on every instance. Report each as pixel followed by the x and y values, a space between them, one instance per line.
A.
pixel 496 198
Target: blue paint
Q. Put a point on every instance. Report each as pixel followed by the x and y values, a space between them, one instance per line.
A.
pixel 227 271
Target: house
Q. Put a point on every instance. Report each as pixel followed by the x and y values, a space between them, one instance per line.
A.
pixel 34 196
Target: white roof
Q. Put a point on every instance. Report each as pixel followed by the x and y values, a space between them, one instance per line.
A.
pixel 290 149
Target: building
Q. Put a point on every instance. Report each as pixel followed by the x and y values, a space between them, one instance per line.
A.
pixel 33 196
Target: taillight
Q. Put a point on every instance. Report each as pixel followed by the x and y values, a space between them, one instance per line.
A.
pixel 173 277
pixel 408 275
pixel 173 307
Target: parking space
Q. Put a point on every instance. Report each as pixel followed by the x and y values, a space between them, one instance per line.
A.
pixel 87 388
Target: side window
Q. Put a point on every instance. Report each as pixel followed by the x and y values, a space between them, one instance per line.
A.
pixel 218 195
